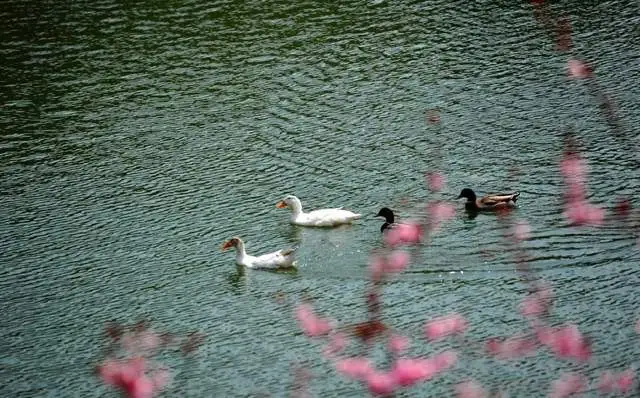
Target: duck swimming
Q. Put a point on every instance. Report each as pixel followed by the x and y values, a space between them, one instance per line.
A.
pixel 488 202
pixel 387 213
pixel 281 259
pixel 316 218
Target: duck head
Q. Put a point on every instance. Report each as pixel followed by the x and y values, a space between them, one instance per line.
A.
pixel 233 242
pixel 291 202
pixel 387 213
pixel 469 194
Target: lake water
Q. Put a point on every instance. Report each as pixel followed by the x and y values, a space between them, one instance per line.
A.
pixel 137 137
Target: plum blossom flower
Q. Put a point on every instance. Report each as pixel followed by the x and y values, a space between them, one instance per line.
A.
pixel 577 69
pixel 522 230
pixel 567 384
pixel 380 383
pixel 311 324
pixel 398 343
pixel 511 347
pixel 337 343
pixel 565 342
pixel 439 212
pixel 537 303
pixel 132 378
pixel 611 382
pixel 403 233
pixel 443 326
pixel 357 368
pixel 470 389
pixel 435 181
pixel 584 213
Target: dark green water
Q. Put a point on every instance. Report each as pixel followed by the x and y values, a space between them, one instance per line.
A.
pixel 136 137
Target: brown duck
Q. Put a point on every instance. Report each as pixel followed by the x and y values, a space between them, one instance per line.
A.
pixel 489 202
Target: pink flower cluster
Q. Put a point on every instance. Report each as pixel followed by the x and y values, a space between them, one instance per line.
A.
pixel 511 347
pixel 445 326
pixel 404 372
pixel 129 367
pixel 611 382
pixel 565 342
pixel 439 212
pixel 133 377
pixel 568 384
pixel 403 234
pixel 578 211
pixel 470 389
pixel 435 181
pixel 537 303
pixel 311 324
pixel 577 69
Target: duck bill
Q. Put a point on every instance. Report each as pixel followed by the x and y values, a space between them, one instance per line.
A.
pixel 281 205
pixel 227 244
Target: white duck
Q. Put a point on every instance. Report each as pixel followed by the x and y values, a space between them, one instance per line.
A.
pixel 316 218
pixel 276 260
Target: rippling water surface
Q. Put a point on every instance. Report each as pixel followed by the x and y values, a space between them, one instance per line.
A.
pixel 136 137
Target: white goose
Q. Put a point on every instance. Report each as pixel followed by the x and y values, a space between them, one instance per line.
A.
pixel 275 260
pixel 316 218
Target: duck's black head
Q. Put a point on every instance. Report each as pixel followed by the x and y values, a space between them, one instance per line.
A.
pixel 469 194
pixel 387 214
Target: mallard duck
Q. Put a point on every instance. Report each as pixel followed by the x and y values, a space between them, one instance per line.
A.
pixel 275 260
pixel 488 202
pixel 387 213
pixel 316 218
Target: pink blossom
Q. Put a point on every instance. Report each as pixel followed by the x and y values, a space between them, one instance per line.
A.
pixel 380 383
pixel 406 372
pixel 567 384
pixel 403 233
pixel 606 382
pixel 521 230
pixel 610 382
pixel 397 261
pixel 573 168
pixel 160 378
pixel 511 347
pixel 148 341
pixel 337 343
pixel 141 387
pixel 565 342
pixel 577 69
pixel 376 267
pixel 109 371
pixel 444 360
pixel 583 213
pixel 129 376
pixel 470 389
pixel 311 324
pixel 537 303
pixel 355 368
pixel 397 343
pixel 444 326
pixel 531 306
pixel 435 181
pixel 625 381
pixel 438 213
